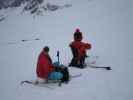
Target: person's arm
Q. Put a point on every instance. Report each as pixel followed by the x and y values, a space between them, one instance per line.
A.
pixel 70 45
pixel 87 46
pixel 83 48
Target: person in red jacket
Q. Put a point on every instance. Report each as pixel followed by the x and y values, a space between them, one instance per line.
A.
pixel 46 70
pixel 44 65
pixel 78 50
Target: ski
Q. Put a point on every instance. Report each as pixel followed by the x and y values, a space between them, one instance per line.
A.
pixel 39 84
pixel 93 66
pixel 26 40
pixel 102 67
pixel 20 41
pixel 75 76
pixel 49 82
pixel 71 77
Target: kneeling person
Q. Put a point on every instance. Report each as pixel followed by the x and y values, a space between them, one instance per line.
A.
pixel 78 49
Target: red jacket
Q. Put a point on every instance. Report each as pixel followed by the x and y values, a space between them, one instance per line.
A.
pixel 81 47
pixel 44 66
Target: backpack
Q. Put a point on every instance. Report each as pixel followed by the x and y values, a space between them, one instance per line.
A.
pixel 65 73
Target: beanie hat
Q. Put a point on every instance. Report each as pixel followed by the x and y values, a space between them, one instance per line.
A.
pixel 77 35
pixel 46 49
pixel 77 30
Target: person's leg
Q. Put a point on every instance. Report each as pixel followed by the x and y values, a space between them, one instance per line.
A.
pixel 73 62
pixel 82 61
pixel 66 76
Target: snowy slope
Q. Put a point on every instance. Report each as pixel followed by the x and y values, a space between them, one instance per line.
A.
pixel 107 24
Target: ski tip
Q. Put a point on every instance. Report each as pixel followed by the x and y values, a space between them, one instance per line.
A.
pixel 22 82
pixel 108 68
pixel 37 39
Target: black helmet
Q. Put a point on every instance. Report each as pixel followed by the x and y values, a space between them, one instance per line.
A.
pixel 46 49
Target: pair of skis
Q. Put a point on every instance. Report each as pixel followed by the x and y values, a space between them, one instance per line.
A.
pixel 33 82
pixel 94 66
pixel 49 83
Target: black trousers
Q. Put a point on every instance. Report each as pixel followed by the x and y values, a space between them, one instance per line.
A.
pixel 77 62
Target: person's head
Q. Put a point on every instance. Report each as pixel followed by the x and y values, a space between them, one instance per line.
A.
pixel 46 49
pixel 78 35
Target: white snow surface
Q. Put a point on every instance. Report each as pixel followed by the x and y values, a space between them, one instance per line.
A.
pixel 106 24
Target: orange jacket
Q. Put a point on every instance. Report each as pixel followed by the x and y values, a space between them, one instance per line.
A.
pixel 81 47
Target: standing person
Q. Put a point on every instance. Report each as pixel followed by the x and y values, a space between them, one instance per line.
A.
pixel 78 50
pixel 46 70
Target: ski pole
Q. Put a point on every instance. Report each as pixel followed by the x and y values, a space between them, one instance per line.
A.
pixel 58 56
